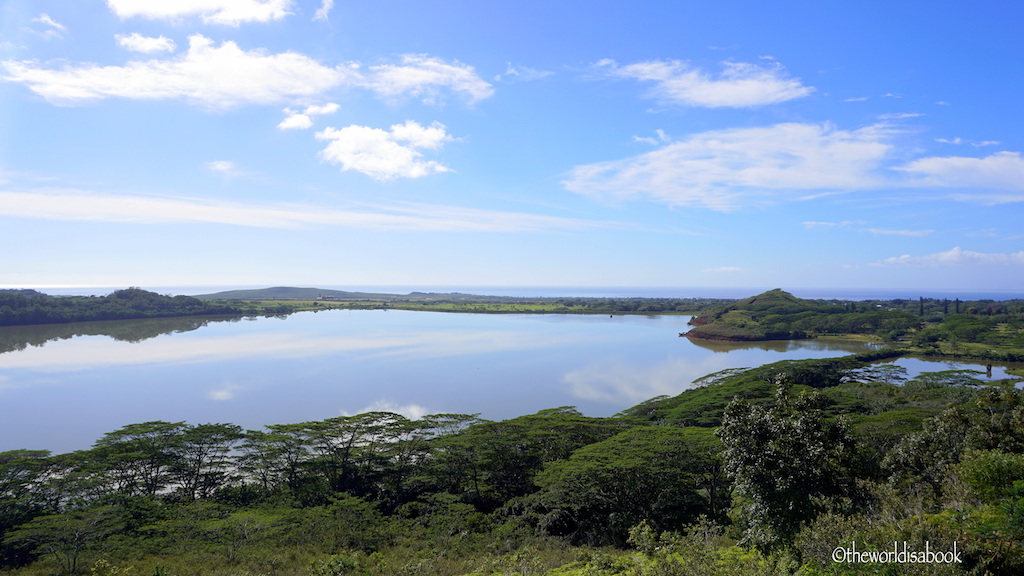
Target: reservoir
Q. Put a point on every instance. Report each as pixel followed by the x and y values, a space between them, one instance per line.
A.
pixel 63 386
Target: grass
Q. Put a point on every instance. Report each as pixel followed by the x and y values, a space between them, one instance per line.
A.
pixel 473 307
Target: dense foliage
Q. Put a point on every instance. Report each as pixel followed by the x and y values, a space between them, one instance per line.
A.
pixel 754 471
pixel 778 315
pixel 23 307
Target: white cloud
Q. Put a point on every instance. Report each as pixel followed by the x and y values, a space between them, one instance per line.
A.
pixel 75 205
pixel 740 84
pixel 999 171
pixel 956 257
pixel 662 138
pixel 227 12
pixel 226 76
pixel 225 392
pixel 53 30
pixel 329 108
pixel 45 19
pixel 324 10
pixel 304 120
pixel 911 233
pixel 899 115
pixel 423 77
pixel 723 170
pixel 723 269
pixel 146 44
pixel 521 74
pixel 210 76
pixel 843 224
pixel 295 121
pixel 382 154
pixel 225 168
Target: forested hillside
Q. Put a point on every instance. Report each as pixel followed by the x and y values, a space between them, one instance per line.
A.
pixel 753 471
pixel 23 307
pixel 983 329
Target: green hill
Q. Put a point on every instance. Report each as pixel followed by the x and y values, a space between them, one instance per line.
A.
pixel 778 315
pixel 291 293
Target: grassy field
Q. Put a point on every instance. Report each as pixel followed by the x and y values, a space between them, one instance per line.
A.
pixel 476 306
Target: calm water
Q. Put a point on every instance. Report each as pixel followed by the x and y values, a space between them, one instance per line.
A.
pixel 62 387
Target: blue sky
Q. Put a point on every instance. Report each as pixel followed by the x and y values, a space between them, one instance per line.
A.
pixel 315 142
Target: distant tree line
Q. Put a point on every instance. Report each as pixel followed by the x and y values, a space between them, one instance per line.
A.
pixel 25 307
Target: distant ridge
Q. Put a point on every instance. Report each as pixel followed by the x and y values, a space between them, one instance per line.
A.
pixel 291 293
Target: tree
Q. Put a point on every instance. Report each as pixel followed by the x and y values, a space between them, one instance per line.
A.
pixel 664 475
pixel 788 460
pixel 139 458
pixel 204 458
pixel 67 536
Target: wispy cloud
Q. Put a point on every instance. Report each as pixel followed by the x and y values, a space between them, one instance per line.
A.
pixel 899 115
pixel 956 257
pixel 662 138
pixel 723 269
pixel 324 11
pixel 977 144
pixel 53 28
pixel 385 154
pixel 912 233
pixel 725 169
pixel 44 18
pixel 225 168
pixel 146 44
pixel 427 79
pixel 813 225
pixel 739 85
pixel 999 171
pixel 224 392
pixel 225 12
pixel 75 205
pixel 515 73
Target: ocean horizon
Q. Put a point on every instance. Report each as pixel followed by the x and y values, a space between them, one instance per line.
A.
pixel 851 294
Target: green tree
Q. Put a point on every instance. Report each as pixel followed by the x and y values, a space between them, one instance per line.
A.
pixel 67 537
pixel 788 460
pixel 664 475
pixel 138 459
pixel 203 458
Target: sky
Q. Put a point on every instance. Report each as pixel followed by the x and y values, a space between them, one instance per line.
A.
pixel 333 143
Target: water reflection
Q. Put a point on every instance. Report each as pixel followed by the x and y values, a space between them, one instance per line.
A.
pixel 623 383
pixel 831 345
pixel 93 353
pixel 15 338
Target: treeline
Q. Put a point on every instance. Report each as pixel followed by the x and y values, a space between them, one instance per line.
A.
pixel 754 471
pixel 26 307
pixel 549 305
pixel 778 315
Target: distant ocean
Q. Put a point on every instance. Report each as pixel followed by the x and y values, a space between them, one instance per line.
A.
pixel 592 291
